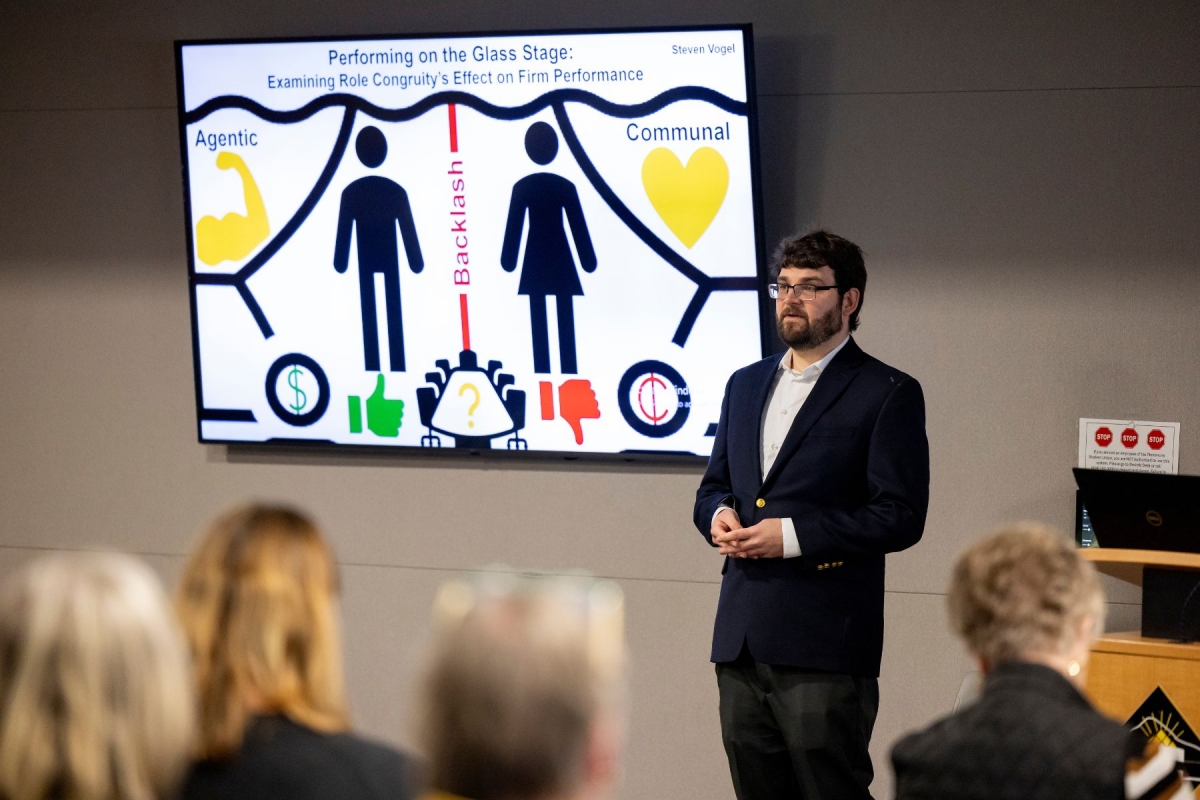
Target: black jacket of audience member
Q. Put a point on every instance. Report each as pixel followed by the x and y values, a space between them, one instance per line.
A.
pixel 1031 735
pixel 281 760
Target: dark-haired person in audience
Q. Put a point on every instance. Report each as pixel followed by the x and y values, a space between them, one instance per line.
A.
pixel 258 604
pixel 95 696
pixel 1029 608
pixel 523 694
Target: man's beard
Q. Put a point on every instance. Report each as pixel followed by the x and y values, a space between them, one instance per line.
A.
pixel 816 333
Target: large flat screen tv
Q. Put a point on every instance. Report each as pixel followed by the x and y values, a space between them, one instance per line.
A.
pixel 518 243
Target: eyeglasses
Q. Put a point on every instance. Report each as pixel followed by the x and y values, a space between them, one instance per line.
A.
pixel 802 291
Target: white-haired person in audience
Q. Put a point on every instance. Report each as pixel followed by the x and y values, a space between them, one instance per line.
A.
pixel 524 693
pixel 1029 609
pixel 95 695
pixel 258 602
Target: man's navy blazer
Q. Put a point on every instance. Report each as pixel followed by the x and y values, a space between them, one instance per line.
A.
pixel 853 475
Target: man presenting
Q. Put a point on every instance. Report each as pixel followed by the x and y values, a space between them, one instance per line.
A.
pixel 819 468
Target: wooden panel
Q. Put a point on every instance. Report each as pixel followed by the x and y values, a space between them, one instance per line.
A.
pixel 1127 565
pixel 1121 570
pixel 1138 645
pixel 1150 558
pixel 1125 669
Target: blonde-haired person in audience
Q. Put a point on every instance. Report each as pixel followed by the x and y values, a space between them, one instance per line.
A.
pixel 95 696
pixel 1029 609
pixel 258 603
pixel 523 695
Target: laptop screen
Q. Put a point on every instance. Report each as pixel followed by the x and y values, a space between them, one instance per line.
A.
pixel 1137 510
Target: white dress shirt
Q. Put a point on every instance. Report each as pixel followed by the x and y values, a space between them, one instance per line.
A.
pixel 788 393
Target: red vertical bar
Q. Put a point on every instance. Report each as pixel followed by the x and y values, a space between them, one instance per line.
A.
pixel 462 298
pixel 547 391
pixel 466 322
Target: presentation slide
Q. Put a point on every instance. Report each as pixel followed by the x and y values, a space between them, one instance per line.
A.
pixel 538 242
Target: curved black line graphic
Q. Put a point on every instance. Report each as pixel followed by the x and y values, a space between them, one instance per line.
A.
pixel 557 96
pixel 705 284
pixel 239 278
pixel 227 415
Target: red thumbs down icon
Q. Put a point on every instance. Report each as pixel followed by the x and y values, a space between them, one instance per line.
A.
pixel 577 402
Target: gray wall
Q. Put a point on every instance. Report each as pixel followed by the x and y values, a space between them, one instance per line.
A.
pixel 1023 177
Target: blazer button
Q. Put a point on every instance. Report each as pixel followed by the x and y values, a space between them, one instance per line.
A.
pixel 760 502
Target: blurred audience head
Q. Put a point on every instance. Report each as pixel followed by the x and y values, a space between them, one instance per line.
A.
pixel 1025 594
pixel 258 604
pixel 95 697
pixel 524 692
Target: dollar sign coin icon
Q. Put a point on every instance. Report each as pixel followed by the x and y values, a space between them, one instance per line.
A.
pixel 294 382
pixel 297 407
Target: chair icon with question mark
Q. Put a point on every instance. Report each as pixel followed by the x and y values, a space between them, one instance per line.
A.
pixel 472 405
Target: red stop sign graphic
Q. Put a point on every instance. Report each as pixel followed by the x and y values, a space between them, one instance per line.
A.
pixel 1129 438
pixel 1103 437
pixel 1155 439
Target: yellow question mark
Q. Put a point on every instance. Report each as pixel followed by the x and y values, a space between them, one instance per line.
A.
pixel 474 405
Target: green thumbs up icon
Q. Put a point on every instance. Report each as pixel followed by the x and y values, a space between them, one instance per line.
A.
pixel 384 415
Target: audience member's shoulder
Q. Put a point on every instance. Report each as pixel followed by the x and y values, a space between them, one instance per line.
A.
pixel 388 772
pixel 371 752
pixel 1038 743
pixel 936 762
pixel 283 759
pixel 382 764
pixel 933 740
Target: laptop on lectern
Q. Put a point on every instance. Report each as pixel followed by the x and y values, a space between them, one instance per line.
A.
pixel 1141 511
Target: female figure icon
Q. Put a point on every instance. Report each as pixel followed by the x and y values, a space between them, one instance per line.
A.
pixel 549 267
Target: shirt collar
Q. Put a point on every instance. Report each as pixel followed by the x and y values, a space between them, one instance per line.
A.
pixel 812 369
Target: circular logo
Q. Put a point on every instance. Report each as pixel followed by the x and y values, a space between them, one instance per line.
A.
pixel 1154 518
pixel 1129 438
pixel 654 399
pixel 1103 437
pixel 297 390
pixel 1155 439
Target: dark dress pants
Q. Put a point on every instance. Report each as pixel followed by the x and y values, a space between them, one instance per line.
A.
pixel 793 733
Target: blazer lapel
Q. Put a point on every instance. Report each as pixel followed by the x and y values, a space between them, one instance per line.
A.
pixel 759 400
pixel 830 386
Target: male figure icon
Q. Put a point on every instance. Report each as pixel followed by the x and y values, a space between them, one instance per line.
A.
pixel 375 205
pixel 549 267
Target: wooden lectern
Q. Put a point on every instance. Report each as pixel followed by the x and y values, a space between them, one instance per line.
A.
pixel 1126 667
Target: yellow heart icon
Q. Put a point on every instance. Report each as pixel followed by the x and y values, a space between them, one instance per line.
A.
pixel 687 198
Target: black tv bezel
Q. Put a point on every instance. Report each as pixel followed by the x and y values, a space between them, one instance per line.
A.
pixel 325 447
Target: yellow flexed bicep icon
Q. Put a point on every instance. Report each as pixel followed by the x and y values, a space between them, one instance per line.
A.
pixel 233 236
